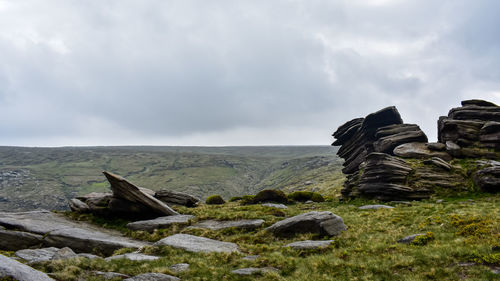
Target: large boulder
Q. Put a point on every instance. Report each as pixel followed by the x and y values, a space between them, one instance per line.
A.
pixel 322 223
pixel 20 272
pixel 195 244
pixel 487 177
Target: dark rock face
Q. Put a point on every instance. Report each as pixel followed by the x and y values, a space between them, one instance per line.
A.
pixel 474 126
pixel 375 149
pixel 488 176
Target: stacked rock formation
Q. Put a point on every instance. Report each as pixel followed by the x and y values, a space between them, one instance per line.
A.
pixel 390 160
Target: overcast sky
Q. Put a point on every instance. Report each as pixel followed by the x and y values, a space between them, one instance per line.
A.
pixel 160 72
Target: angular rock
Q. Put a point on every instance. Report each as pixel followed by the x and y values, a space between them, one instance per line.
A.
pixel 179 267
pixel 274 205
pixel 15 240
pixel 64 254
pixel 133 257
pixel 387 143
pixel 58 231
pixel 178 198
pixel 436 146
pixel 254 270
pixel 309 244
pixel 78 206
pixel 153 277
pixel 438 162
pixel 37 255
pixel 161 222
pixel 217 225
pixel 374 207
pixel 20 272
pixel 408 239
pixel 125 190
pixel 323 223
pixel 419 150
pixel 193 243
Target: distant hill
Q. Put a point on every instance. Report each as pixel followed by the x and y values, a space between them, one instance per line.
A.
pixel 32 178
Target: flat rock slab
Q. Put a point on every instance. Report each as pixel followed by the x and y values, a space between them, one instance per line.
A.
pixel 274 205
pixel 408 239
pixel 15 240
pixel 251 258
pixel 161 222
pixel 217 225
pixel 309 244
pixel 51 253
pixel 133 257
pixel 371 207
pixel 59 231
pixel 254 270
pixel 193 243
pixel 153 277
pixel 323 223
pixel 19 271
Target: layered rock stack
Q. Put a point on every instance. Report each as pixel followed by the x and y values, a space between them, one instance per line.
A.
pixel 390 160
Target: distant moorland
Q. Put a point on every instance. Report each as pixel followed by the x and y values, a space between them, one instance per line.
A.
pixel 32 178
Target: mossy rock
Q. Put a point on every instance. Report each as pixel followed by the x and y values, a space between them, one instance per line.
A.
pixel 215 200
pixel 235 198
pixel 423 240
pixel 270 195
pixel 303 196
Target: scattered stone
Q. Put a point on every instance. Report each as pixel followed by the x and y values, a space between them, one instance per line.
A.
pixel 193 243
pixel 274 205
pixel 20 272
pixel 309 202
pixel 254 270
pixel 133 257
pixel 410 238
pixel 161 222
pixel 401 202
pixel 64 254
pixel 217 225
pixel 153 277
pixel 78 206
pixel 123 189
pixel 177 198
pixel 180 267
pixel 110 275
pixel 15 240
pixel 495 269
pixel 439 201
pixel 309 244
pixel 466 264
pixel 369 207
pixel 59 231
pixel 323 223
pixel 87 256
pixel 251 258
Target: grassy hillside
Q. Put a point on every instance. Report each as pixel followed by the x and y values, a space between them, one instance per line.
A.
pixel 47 177
pixel 462 244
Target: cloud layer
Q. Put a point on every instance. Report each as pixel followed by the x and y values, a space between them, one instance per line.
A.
pixel 235 72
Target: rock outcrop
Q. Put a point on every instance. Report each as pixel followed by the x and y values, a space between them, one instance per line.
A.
pixel 389 160
pixel 126 200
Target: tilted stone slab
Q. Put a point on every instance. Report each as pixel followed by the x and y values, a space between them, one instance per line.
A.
pixel 59 231
pixel 193 243
pixel 19 271
pixel 125 190
pixel 323 223
pixel 15 240
pixel 217 225
pixel 309 244
pixel 133 257
pixel 161 222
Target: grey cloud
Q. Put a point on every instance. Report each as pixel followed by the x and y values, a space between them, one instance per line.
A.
pixel 167 69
